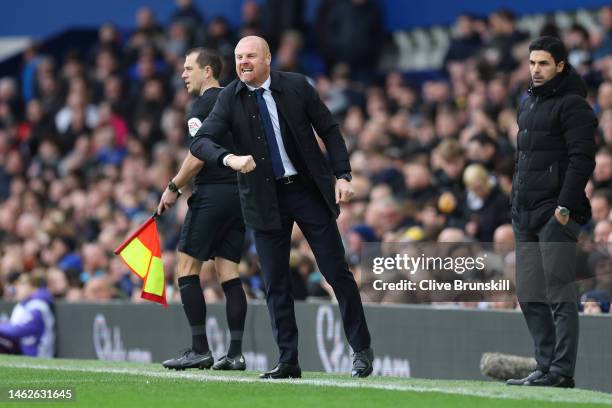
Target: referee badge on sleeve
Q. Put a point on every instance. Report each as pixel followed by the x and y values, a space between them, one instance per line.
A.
pixel 194 124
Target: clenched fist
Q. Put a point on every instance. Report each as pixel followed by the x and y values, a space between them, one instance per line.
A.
pixel 243 164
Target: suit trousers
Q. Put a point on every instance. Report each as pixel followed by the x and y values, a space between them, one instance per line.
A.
pixel 546 290
pixel 300 204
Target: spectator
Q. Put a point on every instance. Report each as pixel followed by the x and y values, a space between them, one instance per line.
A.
pixel 600 266
pixel 419 187
pixel 482 149
pixel 449 160
pixel 576 41
pixel 601 204
pixel 108 39
pixel 148 33
pixel 220 37
pixel 605 46
pixel 595 302
pixel 485 205
pixel 466 42
pixel 353 34
pixel 188 15
pixel 602 176
pixel 31 59
pixel 452 235
pixel 287 57
pixel 504 36
pixel 99 289
pixel 601 232
pixel 280 16
pixel 77 108
pixel 251 19
pixel 31 328
pixel 503 238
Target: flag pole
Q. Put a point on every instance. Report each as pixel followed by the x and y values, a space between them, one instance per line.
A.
pixel 134 234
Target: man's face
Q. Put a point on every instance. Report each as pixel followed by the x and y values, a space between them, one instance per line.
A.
pixel 605 17
pixel 542 67
pixel 481 153
pixel 603 167
pixel 454 167
pixel 599 209
pixel 604 96
pixel 464 26
pixel 252 62
pixel 193 75
pixel 591 308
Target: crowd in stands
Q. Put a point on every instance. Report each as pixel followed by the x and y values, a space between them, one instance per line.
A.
pixel 88 142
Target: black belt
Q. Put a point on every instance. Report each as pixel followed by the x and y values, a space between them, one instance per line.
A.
pixel 287 180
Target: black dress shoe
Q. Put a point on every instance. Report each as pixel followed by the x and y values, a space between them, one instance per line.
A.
pixel 190 359
pixel 362 363
pixel 230 364
pixel 523 381
pixel 553 380
pixel 283 370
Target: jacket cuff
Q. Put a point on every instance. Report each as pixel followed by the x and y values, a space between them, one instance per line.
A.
pixel 566 202
pixel 221 160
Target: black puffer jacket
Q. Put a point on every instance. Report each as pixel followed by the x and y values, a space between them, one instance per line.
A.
pixel 556 151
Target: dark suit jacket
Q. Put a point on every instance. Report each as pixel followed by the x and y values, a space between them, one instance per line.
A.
pixel 300 110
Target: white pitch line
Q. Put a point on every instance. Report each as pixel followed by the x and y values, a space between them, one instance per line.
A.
pixel 204 377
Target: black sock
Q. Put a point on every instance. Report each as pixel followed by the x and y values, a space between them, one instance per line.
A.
pixel 195 310
pixel 235 308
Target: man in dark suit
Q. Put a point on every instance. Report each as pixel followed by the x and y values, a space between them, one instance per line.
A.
pixel 284 178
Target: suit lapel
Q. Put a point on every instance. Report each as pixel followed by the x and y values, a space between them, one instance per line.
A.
pixel 276 86
pixel 242 112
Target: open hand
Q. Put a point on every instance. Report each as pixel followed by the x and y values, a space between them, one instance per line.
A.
pixel 344 191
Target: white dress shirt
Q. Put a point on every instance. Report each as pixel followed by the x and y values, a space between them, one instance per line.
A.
pixel 271 105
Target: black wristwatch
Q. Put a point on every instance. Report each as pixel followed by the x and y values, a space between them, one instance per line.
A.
pixel 172 187
pixel 346 176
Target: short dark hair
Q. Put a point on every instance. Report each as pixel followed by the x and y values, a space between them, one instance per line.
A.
pixel 506 14
pixel 604 193
pixel 605 149
pixel 580 29
pixel 552 45
pixel 484 139
pixel 207 57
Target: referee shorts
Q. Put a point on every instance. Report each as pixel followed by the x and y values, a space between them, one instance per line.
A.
pixel 213 225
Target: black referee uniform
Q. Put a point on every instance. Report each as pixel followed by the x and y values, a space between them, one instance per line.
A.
pixel 213 225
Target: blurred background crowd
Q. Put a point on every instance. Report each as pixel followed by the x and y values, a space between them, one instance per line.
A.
pixel 88 142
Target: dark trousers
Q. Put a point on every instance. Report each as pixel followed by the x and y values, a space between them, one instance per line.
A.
pixel 299 204
pixel 546 290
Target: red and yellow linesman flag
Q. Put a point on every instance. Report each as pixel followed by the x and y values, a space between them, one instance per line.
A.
pixel 141 253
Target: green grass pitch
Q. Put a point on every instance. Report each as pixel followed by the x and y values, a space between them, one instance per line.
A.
pixel 121 384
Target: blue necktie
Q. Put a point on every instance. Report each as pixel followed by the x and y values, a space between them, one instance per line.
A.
pixel 277 161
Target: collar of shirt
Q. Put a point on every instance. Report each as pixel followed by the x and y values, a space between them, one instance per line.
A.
pixel 265 85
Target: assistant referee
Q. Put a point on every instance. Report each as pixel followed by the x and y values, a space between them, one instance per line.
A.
pixel 213 227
